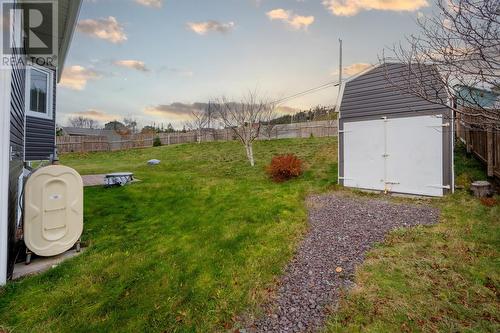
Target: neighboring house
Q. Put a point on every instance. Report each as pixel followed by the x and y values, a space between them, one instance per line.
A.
pixel 27 113
pixel 393 141
pixel 113 138
pixel 477 97
pixel 484 142
pixel 77 131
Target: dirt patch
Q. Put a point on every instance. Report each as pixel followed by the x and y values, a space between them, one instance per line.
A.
pixel 342 230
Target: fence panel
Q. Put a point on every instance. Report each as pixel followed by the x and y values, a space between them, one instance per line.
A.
pixel 476 140
pixel 81 144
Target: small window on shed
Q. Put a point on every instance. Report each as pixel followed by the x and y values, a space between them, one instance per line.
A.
pixel 39 92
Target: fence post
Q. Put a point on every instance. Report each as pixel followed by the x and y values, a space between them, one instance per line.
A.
pixel 489 150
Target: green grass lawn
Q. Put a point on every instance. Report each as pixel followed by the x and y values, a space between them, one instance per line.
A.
pixel 200 239
pixel 444 278
pixel 188 248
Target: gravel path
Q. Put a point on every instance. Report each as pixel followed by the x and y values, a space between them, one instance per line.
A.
pixel 342 230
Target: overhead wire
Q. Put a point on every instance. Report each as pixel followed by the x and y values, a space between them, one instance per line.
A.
pixel 307 92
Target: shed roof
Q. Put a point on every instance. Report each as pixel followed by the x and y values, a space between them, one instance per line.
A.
pixel 381 90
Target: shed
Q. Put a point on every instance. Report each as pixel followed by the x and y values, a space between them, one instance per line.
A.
pixel 391 140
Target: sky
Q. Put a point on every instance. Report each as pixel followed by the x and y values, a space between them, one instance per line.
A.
pixel 155 60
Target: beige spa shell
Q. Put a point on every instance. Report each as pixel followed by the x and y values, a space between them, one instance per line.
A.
pixel 53 207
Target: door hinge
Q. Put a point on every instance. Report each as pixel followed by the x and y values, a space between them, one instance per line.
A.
pixel 343 131
pixel 346 178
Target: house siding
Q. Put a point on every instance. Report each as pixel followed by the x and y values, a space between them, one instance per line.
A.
pixel 40 134
pixel 17 159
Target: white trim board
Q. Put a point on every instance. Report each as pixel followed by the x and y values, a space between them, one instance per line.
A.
pixel 50 92
pixel 5 81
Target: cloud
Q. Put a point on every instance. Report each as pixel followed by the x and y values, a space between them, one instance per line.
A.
pixel 150 3
pixel 282 110
pixel 95 114
pixel 202 28
pixel 132 64
pixel 295 21
pixel 174 111
pixel 76 77
pixel 354 69
pixel 353 7
pixel 108 29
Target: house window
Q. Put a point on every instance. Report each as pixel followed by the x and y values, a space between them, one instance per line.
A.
pixel 39 92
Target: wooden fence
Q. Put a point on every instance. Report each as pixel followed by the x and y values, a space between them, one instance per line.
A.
pixel 83 144
pixel 485 144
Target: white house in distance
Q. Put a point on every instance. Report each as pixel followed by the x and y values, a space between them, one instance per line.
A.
pixel 27 103
pixel 393 141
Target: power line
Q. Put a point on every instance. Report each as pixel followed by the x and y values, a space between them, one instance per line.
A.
pixel 307 92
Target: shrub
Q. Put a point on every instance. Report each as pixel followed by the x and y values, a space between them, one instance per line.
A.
pixel 157 142
pixel 489 202
pixel 284 167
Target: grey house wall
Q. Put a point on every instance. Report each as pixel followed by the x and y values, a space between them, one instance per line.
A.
pixel 17 159
pixel 375 94
pixel 41 134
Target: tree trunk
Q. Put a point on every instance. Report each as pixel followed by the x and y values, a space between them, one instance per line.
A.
pixel 249 150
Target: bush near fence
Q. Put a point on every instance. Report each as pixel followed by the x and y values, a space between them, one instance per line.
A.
pixel 85 144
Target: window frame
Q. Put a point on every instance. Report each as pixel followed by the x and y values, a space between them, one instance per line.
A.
pixel 50 92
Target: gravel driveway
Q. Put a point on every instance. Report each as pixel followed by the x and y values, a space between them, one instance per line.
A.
pixel 342 230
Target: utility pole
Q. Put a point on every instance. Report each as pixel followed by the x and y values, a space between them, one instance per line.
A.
pixel 340 76
pixel 340 63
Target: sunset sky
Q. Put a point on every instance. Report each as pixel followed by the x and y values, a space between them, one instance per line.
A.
pixel 152 59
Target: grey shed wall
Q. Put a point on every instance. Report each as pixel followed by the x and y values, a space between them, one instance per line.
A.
pixel 41 134
pixel 375 94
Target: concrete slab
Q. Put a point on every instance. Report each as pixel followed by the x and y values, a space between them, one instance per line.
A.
pixel 42 264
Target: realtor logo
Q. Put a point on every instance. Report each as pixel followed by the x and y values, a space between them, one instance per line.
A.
pixel 30 28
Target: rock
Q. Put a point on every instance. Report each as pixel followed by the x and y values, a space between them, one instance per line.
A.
pixel 154 162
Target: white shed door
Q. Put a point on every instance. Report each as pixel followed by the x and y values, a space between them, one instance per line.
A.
pixel 403 155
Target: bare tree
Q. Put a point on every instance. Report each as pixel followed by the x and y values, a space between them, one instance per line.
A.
pixel 198 122
pixel 131 124
pixel 83 122
pixel 244 118
pixel 268 121
pixel 457 51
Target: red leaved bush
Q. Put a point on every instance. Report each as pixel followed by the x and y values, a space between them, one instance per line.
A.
pixel 489 202
pixel 284 167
